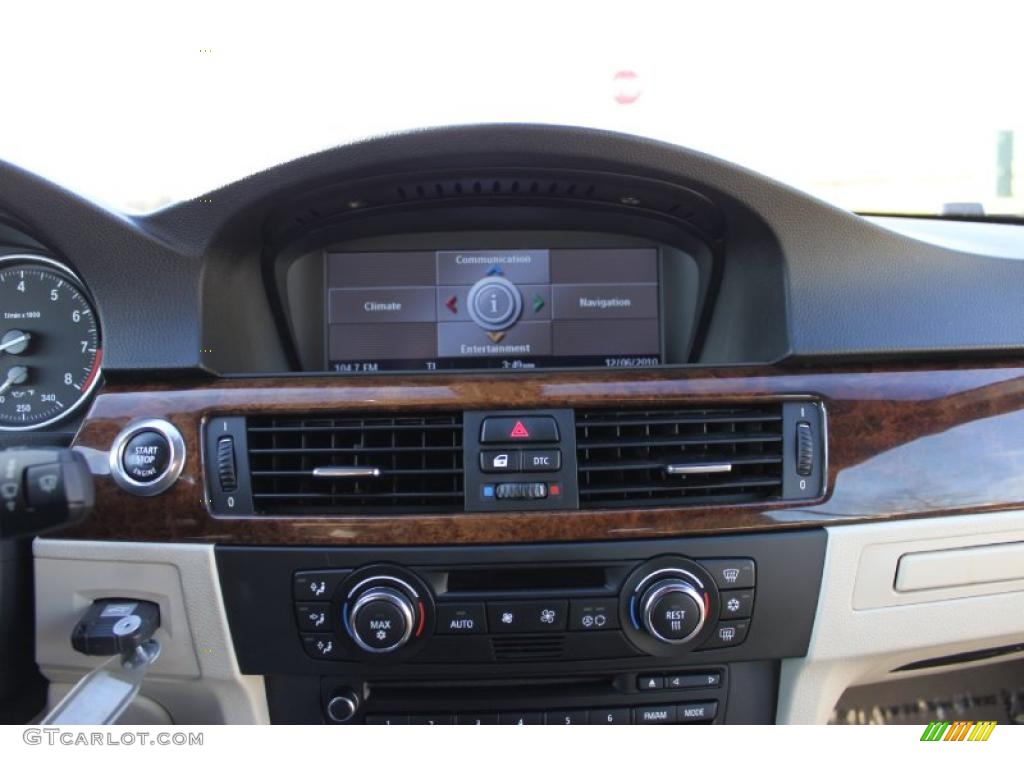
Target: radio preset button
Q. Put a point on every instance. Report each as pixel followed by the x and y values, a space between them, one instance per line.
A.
pixel 567 717
pixel 489 718
pixel 387 719
pixel 618 716
pixel 520 718
pixel 461 619
pixel 431 719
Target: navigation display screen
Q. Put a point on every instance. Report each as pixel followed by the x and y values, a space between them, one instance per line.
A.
pixel 432 310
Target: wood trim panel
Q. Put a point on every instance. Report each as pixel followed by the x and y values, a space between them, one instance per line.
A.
pixel 902 442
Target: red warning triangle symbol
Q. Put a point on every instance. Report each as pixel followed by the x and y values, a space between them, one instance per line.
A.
pixel 519 430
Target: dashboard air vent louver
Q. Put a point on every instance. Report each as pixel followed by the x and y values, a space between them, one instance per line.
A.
pixel 528 648
pixel 355 464
pixel 680 456
pixel 504 186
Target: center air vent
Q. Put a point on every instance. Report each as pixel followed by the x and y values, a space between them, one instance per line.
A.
pixel 679 456
pixel 351 464
pixel 528 648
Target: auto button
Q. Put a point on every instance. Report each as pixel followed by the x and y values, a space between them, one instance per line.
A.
pixel 461 619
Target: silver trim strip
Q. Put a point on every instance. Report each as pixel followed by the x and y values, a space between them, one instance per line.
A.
pixel 697 469
pixel 346 472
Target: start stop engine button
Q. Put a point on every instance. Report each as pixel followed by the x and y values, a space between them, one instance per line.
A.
pixel 146 457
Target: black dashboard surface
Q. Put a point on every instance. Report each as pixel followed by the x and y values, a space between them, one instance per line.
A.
pixel 192 287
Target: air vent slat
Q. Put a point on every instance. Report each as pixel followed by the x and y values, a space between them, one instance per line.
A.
pixel 378 463
pixel 636 465
pixel 356 449
pixel 314 427
pixel 623 456
pixel 736 439
pixel 528 647
pixel 672 487
pixel 766 418
pixel 383 472
pixel 351 496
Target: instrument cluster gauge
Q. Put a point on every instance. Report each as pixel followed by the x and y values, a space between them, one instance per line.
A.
pixel 50 346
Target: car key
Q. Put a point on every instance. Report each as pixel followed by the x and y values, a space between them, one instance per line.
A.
pixel 115 626
pixel 118 627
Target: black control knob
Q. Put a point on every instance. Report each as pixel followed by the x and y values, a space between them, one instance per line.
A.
pixel 382 619
pixel 343 706
pixel 672 611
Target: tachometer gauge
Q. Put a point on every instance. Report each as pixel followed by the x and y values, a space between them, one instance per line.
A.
pixel 50 351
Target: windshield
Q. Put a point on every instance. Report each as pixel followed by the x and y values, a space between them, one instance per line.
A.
pixel 894 107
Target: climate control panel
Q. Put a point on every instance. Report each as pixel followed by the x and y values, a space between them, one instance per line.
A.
pixel 661 607
pixel 641 631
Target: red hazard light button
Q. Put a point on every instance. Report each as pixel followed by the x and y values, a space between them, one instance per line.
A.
pixel 521 429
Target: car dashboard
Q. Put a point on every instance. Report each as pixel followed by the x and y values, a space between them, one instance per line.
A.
pixel 517 424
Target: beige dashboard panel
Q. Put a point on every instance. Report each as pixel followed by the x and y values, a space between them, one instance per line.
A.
pixel 971 564
pixel 196 679
pixel 865 629
pixel 963 567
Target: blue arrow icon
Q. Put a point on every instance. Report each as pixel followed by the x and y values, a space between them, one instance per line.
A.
pixel 494 270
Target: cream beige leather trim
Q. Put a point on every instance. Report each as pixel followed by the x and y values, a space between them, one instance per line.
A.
pixel 196 680
pixel 865 628
pixel 966 567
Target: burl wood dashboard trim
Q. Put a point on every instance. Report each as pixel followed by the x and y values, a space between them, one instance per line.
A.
pixel 930 440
